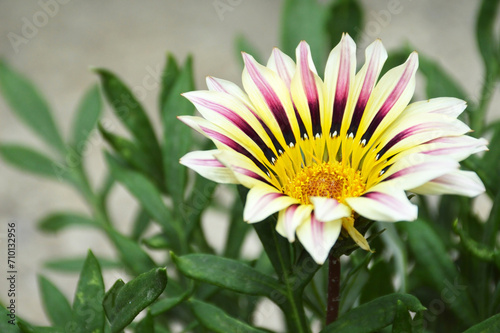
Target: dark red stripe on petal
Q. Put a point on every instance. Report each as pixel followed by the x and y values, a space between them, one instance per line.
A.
pixel 234 146
pixel 341 91
pixel 310 89
pixel 364 95
pixel 385 199
pixel 239 122
pixel 272 100
pixel 393 97
pixel 250 173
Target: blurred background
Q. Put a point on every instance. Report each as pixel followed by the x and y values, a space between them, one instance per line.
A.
pixel 55 42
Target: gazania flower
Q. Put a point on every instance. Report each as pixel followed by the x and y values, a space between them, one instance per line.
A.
pixel 322 152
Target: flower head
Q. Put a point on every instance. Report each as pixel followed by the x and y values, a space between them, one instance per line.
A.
pixel 321 152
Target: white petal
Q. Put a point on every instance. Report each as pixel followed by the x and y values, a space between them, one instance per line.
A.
pixel 283 65
pixel 245 171
pixel 459 182
pixel 204 163
pixel 263 201
pixel 384 203
pixel 292 217
pixel 328 209
pixel 319 237
pixel 416 169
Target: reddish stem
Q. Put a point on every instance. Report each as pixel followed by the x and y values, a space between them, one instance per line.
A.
pixel 333 296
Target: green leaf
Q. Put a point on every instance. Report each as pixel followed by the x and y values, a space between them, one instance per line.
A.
pixel 168 303
pixel 28 328
pixel 218 321
pixel 72 265
pixel 124 302
pixel 55 303
pixel 177 137
pixel 374 315
pixel 402 319
pixel 305 20
pixel 158 241
pixel 345 16
pixel 490 325
pixel 485 33
pixel 438 82
pixel 29 160
pixel 86 117
pixel 168 78
pixel 58 221
pixel 432 257
pixel 7 316
pixel 238 230
pixel 28 104
pixel 135 156
pixel 149 197
pixel 379 275
pixel 141 223
pixel 146 325
pixel 132 255
pixel 226 273
pixel 88 313
pixel 132 115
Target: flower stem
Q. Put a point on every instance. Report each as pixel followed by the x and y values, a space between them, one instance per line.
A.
pixel 333 296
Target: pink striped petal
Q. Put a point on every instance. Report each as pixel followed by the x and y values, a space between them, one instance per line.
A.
pixel 319 237
pixel 448 106
pixel 339 77
pixel 458 182
pixel 245 171
pixel 416 169
pixel 228 87
pixel 263 201
pixel 204 163
pixel 328 209
pixel 455 147
pixel 291 218
pixel 384 202
pixel 283 65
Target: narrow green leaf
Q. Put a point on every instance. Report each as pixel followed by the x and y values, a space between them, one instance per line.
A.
pixel 487 166
pixel 135 156
pixel 438 82
pixel 490 325
pixel 430 253
pixel 226 273
pixel 9 321
pixel 125 301
pixel 141 223
pixel 28 328
pixel 149 197
pixel 55 303
pixel 110 298
pixel 158 241
pixel 305 20
pixel 345 16
pixel 238 230
pixel 177 137
pixel 485 33
pixel 73 265
pixel 28 104
pixel 168 78
pixel 146 325
pixel 88 312
pixel 402 319
pixel 132 255
pixel 29 160
pixel 374 315
pixel 379 275
pixel 86 117
pixel 218 321
pixel 394 242
pixel 59 221
pixel 168 303
pixel 132 115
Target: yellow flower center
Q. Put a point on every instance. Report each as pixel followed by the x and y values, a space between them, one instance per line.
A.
pixel 328 179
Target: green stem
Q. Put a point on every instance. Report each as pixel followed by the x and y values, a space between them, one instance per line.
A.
pixel 487 90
